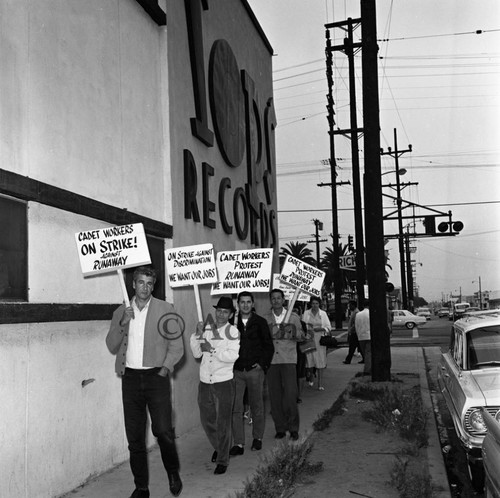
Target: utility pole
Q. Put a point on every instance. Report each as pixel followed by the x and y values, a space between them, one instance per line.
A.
pixel 349 48
pixel 399 202
pixel 337 282
pixel 374 224
pixel 318 227
pixel 409 272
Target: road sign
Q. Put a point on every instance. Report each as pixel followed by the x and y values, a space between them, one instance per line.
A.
pixel 348 261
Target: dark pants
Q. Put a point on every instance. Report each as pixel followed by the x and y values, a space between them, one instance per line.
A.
pixel 282 387
pixel 352 339
pixel 216 411
pixel 366 351
pixel 145 390
pixel 253 381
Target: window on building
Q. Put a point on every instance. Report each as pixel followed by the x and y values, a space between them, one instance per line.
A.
pixel 13 250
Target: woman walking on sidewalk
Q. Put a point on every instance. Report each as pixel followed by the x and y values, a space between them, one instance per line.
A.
pixel 318 320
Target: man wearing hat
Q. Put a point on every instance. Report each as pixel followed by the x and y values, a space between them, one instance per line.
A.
pixel 218 345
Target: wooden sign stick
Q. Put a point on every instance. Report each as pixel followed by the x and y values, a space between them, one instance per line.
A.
pixel 124 287
pixel 198 302
pixel 291 304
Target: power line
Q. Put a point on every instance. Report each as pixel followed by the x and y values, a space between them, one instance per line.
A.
pixel 476 32
pixel 389 207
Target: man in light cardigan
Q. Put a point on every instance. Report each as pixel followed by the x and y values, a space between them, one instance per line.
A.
pixel 282 374
pixel 147 340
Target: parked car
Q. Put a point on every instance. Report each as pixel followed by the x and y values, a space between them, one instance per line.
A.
pixel 469 379
pixel 457 311
pixel 403 318
pixel 491 455
pixel 443 312
pixel 425 312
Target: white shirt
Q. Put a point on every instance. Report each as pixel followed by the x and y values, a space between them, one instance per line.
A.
pixel 362 324
pixel 279 318
pixel 135 347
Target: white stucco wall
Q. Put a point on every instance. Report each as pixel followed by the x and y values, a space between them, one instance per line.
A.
pixel 81 88
pixel 82 107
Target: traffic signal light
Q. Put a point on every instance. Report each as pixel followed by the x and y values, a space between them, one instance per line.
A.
pixel 350 243
pixel 450 226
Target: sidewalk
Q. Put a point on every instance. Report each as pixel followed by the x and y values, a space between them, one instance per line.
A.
pixel 195 451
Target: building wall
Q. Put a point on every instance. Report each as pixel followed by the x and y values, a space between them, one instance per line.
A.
pixel 228 20
pixel 96 99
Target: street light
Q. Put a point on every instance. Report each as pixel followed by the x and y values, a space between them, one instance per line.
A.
pixel 402 171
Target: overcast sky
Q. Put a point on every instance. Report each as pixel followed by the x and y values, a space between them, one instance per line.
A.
pixel 439 88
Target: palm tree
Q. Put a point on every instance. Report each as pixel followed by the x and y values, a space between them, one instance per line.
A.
pixel 298 250
pixel 327 265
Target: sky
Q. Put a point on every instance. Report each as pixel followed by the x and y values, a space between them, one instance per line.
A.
pixel 439 88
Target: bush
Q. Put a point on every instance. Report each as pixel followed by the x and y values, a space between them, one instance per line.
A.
pixel 402 411
pixel 410 484
pixel 286 465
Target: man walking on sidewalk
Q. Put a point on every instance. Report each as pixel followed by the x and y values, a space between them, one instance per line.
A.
pixel 282 374
pixel 352 336
pixel 217 344
pixel 256 352
pixel 145 360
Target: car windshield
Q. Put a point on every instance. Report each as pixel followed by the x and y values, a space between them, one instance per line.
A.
pixel 483 347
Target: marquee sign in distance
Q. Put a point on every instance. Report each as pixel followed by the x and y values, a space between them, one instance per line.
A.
pixel 348 262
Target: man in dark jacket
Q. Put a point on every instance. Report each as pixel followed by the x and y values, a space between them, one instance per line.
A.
pixel 256 352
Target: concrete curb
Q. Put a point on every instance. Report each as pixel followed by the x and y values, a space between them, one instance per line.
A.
pixel 437 468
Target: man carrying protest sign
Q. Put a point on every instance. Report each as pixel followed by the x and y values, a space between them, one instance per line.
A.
pixel 146 355
pixel 282 375
pixel 256 352
pixel 218 345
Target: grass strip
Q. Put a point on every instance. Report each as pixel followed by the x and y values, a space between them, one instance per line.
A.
pixel 281 470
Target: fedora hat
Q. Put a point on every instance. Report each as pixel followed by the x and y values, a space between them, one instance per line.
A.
pixel 225 302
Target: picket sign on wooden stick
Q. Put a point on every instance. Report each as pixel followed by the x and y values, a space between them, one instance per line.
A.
pixel 291 304
pixel 198 302
pixel 123 286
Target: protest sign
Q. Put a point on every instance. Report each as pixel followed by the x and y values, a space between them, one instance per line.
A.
pixel 246 270
pixel 111 249
pixel 191 265
pixel 288 290
pixel 302 276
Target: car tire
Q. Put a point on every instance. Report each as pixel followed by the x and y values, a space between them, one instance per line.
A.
pixel 409 325
pixel 476 474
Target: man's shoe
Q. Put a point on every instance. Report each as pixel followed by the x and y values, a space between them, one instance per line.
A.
pixel 360 361
pixel 346 362
pixel 294 435
pixel 236 450
pixel 175 483
pixel 279 435
pixel 214 456
pixel 140 493
pixel 256 445
pixel 220 469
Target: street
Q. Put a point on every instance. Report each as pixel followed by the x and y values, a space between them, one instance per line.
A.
pixel 436 332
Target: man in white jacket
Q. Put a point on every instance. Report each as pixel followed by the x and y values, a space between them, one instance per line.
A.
pixel 218 346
